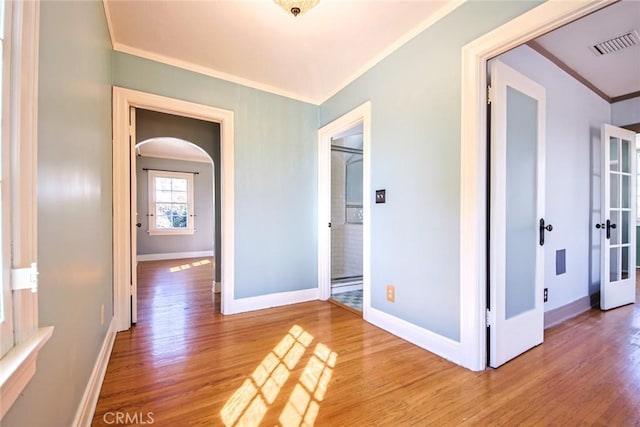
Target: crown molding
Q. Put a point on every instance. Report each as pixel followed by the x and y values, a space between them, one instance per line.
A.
pixel 315 100
pixel 189 66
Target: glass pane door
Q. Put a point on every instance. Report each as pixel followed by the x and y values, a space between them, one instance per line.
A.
pixel 521 208
pixel 619 225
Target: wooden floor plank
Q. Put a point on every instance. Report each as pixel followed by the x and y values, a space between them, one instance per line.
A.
pixel 186 364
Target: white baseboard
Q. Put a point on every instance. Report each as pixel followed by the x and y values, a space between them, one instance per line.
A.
pixel 272 300
pixel 87 407
pixel 437 344
pixel 566 312
pixel 174 255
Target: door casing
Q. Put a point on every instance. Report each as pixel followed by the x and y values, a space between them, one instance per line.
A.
pixel 361 114
pixel 123 220
pixel 473 172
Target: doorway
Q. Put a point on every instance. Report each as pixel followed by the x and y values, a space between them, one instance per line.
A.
pixel 343 172
pixel 575 169
pixel 474 163
pixel 124 228
pixel 347 215
pixel 177 215
pixel 176 189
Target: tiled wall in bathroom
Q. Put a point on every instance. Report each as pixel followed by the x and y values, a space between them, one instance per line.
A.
pixel 346 238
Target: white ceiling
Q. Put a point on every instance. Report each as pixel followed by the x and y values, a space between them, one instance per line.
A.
pixel 172 148
pixel 314 55
pixel 256 43
pixel 615 74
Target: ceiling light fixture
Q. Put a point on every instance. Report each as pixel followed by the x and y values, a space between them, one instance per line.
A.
pixel 296 7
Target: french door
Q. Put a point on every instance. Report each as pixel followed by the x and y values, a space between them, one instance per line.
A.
pixel 618 225
pixel 517 228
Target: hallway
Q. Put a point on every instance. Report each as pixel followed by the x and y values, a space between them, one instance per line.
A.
pixel 186 364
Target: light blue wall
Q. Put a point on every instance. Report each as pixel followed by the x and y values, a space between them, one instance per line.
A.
pixel 275 173
pixel 415 156
pixel 74 208
pixel 626 112
pixel 203 237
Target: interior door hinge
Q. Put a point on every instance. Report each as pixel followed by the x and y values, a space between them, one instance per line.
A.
pixel 25 278
pixel 487 319
pixel 489 94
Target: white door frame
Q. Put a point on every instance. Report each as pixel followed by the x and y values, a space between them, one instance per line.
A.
pixel 123 100
pixel 361 114
pixel 473 179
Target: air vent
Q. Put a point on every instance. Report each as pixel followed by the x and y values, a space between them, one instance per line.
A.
pixel 617 43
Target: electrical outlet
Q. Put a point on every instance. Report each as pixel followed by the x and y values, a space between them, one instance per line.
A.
pixel 102 315
pixel 546 294
pixel 391 293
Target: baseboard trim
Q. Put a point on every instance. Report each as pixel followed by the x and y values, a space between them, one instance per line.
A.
pixel 566 312
pixel 87 407
pixel 243 305
pixel 430 341
pixel 174 255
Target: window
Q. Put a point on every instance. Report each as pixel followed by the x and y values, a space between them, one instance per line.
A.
pixel 6 314
pixel 170 203
pixel 22 338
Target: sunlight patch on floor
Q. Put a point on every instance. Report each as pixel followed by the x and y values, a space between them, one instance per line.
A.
pixel 188 266
pixel 302 408
pixel 249 404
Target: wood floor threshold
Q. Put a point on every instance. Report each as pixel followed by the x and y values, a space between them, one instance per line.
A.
pixel 345 306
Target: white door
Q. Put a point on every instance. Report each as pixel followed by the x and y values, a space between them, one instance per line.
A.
pixel 517 228
pixel 618 225
pixel 134 217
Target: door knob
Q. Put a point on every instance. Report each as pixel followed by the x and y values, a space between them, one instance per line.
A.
pixel 139 224
pixel 609 225
pixel 544 228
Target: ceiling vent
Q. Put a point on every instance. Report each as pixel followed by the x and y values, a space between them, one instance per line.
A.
pixel 616 44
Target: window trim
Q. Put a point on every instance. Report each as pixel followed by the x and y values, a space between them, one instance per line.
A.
pixel 152 225
pixel 18 366
pixel 6 324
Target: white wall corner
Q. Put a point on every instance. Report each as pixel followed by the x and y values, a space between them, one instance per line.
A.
pixel 430 341
pixel 261 302
pixel 87 406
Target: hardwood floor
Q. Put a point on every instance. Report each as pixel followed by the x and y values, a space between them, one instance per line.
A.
pixel 316 363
